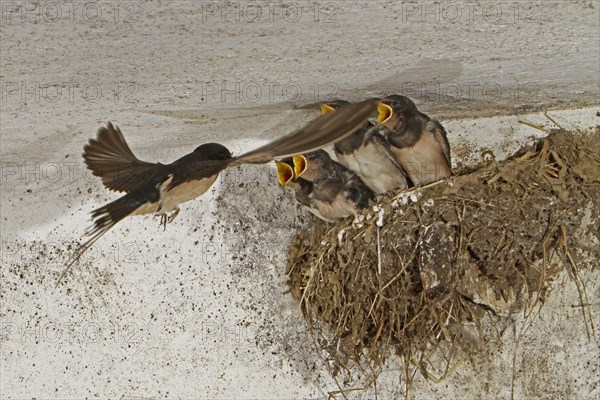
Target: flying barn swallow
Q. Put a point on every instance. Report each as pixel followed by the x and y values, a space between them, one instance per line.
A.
pixel 155 188
pixel 418 141
pixel 367 153
pixel 323 186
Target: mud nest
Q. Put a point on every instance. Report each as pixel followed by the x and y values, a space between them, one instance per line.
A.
pixel 413 269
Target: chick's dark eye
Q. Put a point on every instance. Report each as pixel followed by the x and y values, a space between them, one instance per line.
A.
pixel 311 154
pixel 395 104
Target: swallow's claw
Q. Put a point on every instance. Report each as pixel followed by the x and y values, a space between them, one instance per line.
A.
pixel 163 221
pixel 167 219
pixel 173 215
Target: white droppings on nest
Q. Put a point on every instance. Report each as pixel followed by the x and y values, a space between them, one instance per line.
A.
pixel 405 198
pixel 358 221
pixel 378 210
pixel 340 235
pixel 429 203
pixel 380 215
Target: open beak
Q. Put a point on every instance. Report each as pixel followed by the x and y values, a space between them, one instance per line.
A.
pixel 325 109
pixel 285 172
pixel 384 112
pixel 300 165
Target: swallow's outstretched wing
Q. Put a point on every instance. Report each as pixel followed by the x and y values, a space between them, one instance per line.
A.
pixel 321 132
pixel 317 134
pixel 110 158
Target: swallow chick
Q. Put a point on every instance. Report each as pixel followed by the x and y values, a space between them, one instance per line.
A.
pixel 155 188
pixel 418 141
pixel 324 187
pixel 303 189
pixel 367 153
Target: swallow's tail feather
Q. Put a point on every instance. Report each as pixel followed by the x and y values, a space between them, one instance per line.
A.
pixel 105 218
pixel 109 157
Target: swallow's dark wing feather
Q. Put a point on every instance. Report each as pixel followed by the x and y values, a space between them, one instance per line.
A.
pixel 356 190
pixel 439 133
pixel 109 157
pixel 323 131
pixel 327 189
pixel 375 135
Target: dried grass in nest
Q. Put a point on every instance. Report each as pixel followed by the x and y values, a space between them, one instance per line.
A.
pixel 422 263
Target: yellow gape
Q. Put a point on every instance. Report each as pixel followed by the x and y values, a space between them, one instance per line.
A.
pixel 285 173
pixel 384 112
pixel 326 109
pixel 300 165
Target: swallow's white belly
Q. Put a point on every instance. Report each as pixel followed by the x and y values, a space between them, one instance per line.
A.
pixel 374 168
pixel 424 162
pixel 170 199
pixel 148 208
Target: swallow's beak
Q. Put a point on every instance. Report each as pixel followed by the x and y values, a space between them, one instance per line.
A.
pixel 384 113
pixel 285 172
pixel 300 165
pixel 325 109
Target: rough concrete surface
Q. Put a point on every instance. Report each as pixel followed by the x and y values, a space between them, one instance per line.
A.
pixel 199 311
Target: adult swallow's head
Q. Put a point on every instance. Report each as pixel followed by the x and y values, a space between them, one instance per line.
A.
pixel 213 151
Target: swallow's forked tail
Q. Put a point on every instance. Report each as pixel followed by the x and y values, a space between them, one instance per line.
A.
pixel 104 218
pixel 109 157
